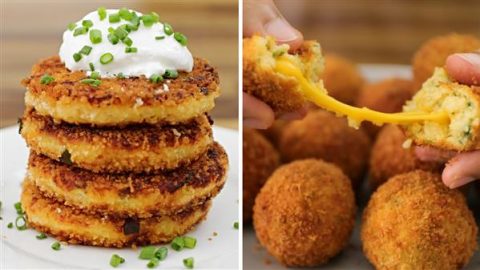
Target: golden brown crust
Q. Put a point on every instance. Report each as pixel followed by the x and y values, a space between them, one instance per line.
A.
pixel 304 214
pixel 75 227
pixel 135 148
pixel 414 221
pixel 260 159
pixel 142 195
pixel 120 101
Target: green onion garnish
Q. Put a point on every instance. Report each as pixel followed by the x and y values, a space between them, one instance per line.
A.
pixel 131 27
pixel 77 57
pixel 56 246
pixel 121 33
pixel 235 225
pixel 155 15
pixel 120 75
pixel 125 27
pixel 102 13
pixel 167 28
pixel 95 75
pixel 125 14
pixel 127 41
pixel 116 260
pixel 161 253
pixel 153 263
pixel 95 36
pixel 178 243
pixel 46 79
pixel 92 82
pixel 147 253
pixel 170 74
pixel 181 38
pixel 18 208
pixel 41 236
pixel 159 37
pixel 80 31
pixel 10 225
pixel 106 58
pixel 155 78
pixel 87 23
pixel 114 18
pixel 188 262
pixel 21 223
pixel 149 20
pixel 86 50
pixel 92 67
pixel 71 26
pixel 111 29
pixel 112 38
pixel 190 242
pixel 130 50
pixel 135 20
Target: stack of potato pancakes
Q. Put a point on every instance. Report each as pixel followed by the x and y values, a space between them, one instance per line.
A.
pixel 120 161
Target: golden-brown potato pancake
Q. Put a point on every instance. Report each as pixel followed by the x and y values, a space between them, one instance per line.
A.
pixel 120 101
pixel 414 221
pixel 71 225
pixel 134 148
pixel 142 195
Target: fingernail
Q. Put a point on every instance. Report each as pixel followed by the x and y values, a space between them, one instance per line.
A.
pixel 460 182
pixel 472 58
pixel 281 30
pixel 255 123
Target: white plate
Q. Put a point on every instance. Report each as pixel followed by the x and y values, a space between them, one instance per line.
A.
pixel 21 250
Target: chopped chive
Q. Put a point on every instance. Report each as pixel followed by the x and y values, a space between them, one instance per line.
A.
pixel 71 26
pixel 95 36
pixel 125 14
pixel 92 67
pixel 147 253
pixel 87 23
pixel 86 50
pixel 77 57
pixel 41 236
pixel 149 20
pixel 120 75
pixel 135 20
pixel 46 79
pixel 114 18
pixel 21 223
pixel 66 157
pixel 102 13
pixel 10 225
pixel 113 38
pixel 80 31
pixel 170 74
pixel 56 246
pixel 235 225
pixel 111 29
pixel 130 50
pixel 155 15
pixel 116 260
pixel 188 262
pixel 161 253
pixel 92 82
pixel 155 78
pixel 167 28
pixel 159 37
pixel 131 27
pixel 178 243
pixel 190 242
pixel 127 41
pixel 153 263
pixel 121 33
pixel 125 27
pixel 106 58
pixel 181 38
pixel 18 208
pixel 95 75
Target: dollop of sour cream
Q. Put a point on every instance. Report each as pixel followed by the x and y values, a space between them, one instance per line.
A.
pixel 155 50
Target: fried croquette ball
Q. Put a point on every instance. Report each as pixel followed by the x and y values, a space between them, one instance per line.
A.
pixel 324 136
pixel 260 159
pixel 304 214
pixel 462 104
pixel 341 78
pixel 274 132
pixel 414 221
pixel 387 96
pixel 434 52
pixel 389 158
pixel 262 81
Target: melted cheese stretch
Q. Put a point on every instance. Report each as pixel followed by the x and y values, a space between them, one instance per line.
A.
pixel 355 115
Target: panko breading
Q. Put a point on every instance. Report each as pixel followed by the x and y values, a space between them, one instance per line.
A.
pixel 341 78
pixel 134 148
pixel 324 136
pixel 260 159
pixel 262 81
pixel 304 214
pixel 120 101
pixel 143 195
pixel 434 52
pixel 76 227
pixel 389 158
pixel 414 221
pixel 462 104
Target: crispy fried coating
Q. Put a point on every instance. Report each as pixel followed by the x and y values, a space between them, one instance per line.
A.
pixel 132 195
pixel 434 52
pixel 73 226
pixel 304 214
pixel 341 78
pixel 389 158
pixel 134 148
pixel 387 96
pixel 324 136
pixel 120 101
pixel 260 159
pixel 414 221
pixel 277 90
pixel 273 133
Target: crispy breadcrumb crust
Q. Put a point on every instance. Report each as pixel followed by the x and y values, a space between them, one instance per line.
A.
pixel 388 157
pixel 304 215
pixel 260 159
pixel 414 221
pixel 134 148
pixel 68 224
pixel 120 101
pixel 132 195
pixel 261 81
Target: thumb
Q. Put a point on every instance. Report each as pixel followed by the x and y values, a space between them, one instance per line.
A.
pixel 464 67
pixel 263 18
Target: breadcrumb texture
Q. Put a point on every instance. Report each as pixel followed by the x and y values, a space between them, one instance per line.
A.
pixel 71 225
pixel 261 80
pixel 134 148
pixel 414 221
pixel 120 101
pixel 304 214
pixel 260 159
pixel 461 102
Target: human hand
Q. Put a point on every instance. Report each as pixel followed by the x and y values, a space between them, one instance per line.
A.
pixel 461 168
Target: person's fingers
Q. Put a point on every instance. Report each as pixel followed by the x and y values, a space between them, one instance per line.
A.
pixel 462 169
pixel 427 153
pixel 256 114
pixel 464 67
pixel 296 115
pixel 263 18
